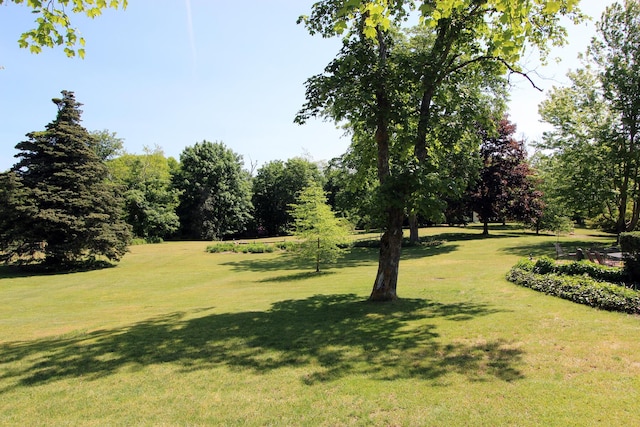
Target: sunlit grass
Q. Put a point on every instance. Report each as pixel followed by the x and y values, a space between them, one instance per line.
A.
pixel 177 336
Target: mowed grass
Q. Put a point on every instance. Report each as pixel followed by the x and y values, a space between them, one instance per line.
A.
pixel 177 336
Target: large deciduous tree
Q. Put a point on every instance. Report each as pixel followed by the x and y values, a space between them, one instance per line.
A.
pixel 596 124
pixel 150 201
pixel 362 84
pixel 575 163
pixel 53 23
pixel 504 188
pixel 216 192
pixel 616 51
pixel 58 206
pixel 275 187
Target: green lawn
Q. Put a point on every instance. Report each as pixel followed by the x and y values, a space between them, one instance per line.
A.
pixel 177 336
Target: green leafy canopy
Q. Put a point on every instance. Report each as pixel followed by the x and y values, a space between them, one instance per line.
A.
pixel 506 25
pixel 53 25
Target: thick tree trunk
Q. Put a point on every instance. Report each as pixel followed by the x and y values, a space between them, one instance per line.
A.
pixel 485 228
pixel 385 285
pixel 621 223
pixel 414 237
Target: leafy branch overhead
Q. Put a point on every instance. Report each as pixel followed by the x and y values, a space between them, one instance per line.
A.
pixel 53 26
pixel 505 24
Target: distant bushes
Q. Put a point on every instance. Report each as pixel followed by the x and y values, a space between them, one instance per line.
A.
pixel 375 243
pixel 253 248
pixel 582 282
pixel 291 245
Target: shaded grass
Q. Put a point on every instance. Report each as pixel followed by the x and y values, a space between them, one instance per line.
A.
pixel 339 335
pixel 174 336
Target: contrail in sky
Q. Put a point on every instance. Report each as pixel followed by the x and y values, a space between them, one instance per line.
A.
pixel 192 39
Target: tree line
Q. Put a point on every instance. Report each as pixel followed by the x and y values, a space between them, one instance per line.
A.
pixel 425 107
pixel 76 195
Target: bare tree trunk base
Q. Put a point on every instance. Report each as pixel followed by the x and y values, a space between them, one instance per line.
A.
pixel 385 285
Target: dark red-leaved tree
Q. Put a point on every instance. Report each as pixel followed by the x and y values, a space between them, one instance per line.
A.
pixel 505 187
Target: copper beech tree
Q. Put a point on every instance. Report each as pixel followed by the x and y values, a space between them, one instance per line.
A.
pixel 464 34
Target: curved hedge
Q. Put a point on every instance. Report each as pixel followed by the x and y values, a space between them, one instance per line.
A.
pixel 545 265
pixel 582 289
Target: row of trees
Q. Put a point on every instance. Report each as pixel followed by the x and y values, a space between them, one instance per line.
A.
pixel 419 101
pixel 76 196
pixel 208 195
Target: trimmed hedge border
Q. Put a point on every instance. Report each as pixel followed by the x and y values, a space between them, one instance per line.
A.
pixel 545 265
pixel 582 289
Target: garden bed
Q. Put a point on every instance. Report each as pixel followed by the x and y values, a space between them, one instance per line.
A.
pixel 602 287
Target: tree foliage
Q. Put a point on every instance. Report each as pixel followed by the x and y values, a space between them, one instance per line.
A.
pixel 502 26
pixel 319 232
pixel 107 144
pixel 53 25
pixel 150 201
pixel 275 188
pixel 361 85
pixel 352 191
pixel 216 192
pixel 596 122
pixel 576 167
pixel 504 188
pixel 59 207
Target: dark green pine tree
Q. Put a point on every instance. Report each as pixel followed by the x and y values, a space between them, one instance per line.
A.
pixel 61 210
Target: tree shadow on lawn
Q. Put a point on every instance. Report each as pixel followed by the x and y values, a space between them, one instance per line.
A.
pixel 356 257
pixel 547 247
pixel 35 270
pixel 466 236
pixel 330 336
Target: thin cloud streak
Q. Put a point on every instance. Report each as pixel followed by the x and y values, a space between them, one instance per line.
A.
pixel 192 39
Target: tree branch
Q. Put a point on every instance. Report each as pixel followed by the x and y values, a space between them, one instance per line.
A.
pixel 497 59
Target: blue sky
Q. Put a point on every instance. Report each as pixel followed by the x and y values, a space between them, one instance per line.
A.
pixel 177 72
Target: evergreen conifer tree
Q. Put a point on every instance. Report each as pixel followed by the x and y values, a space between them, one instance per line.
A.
pixel 60 209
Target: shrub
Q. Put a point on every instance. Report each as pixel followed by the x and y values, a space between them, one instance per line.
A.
pixel 222 247
pixel 546 265
pixel 581 289
pixel 285 246
pixel 254 248
pixel 630 245
pixel 598 272
pixel 525 264
pixel 375 243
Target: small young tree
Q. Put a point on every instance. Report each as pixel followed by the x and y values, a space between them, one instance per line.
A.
pixel 320 233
